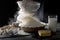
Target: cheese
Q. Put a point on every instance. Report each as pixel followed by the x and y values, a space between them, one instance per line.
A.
pixel 44 33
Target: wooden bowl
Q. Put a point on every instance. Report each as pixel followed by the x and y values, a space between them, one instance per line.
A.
pixel 30 29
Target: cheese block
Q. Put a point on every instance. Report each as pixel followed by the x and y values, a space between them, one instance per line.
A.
pixel 44 33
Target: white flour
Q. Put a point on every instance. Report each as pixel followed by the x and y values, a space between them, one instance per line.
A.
pixel 26 13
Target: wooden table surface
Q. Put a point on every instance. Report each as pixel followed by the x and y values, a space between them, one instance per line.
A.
pixel 30 37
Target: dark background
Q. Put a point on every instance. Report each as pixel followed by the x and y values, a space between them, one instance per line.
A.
pixel 9 7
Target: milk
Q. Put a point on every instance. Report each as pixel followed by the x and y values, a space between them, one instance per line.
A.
pixel 52 23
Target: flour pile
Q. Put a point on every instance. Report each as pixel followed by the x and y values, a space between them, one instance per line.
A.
pixel 26 14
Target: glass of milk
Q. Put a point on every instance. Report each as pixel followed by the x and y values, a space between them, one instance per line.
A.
pixel 52 22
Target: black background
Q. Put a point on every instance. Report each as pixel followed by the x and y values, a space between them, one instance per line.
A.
pixel 9 7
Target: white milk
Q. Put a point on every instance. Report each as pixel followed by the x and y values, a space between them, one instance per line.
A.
pixel 52 23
